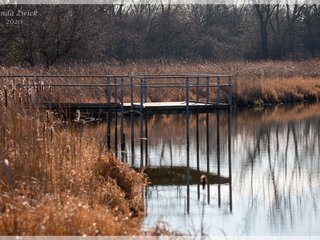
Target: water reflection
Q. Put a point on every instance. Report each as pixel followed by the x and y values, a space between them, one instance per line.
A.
pixel 275 170
pixel 195 139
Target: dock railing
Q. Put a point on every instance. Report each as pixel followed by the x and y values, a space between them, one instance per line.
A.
pixel 123 91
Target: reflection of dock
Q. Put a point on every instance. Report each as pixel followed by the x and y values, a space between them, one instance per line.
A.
pixel 178 176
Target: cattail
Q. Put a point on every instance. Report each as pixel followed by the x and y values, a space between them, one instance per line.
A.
pixel 204 181
pixel 51 134
pixel 7 169
pixel 20 98
pixel 41 85
pixel 78 115
pixel 44 128
pixel 5 97
pixel 13 93
pixel 48 116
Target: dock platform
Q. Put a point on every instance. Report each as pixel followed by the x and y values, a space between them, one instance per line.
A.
pixel 160 107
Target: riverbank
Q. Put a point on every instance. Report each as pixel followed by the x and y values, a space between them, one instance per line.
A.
pixel 55 180
pixel 254 83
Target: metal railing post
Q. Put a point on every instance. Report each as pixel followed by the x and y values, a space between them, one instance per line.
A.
pixel 145 90
pixel 116 117
pixel 208 152
pixel 230 92
pixel 197 89
pixel 229 156
pixel 207 91
pixel 218 158
pixel 108 92
pixel 141 122
pixel 37 90
pixel 188 143
pixel 121 120
pixel 132 119
pixel 218 89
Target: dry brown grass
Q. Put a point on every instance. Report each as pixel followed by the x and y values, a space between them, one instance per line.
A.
pixel 55 180
pixel 254 82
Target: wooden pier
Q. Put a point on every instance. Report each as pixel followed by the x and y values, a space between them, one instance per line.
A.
pixel 133 95
pixel 197 90
pixel 99 109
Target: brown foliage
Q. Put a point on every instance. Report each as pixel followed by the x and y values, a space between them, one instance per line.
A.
pixel 55 180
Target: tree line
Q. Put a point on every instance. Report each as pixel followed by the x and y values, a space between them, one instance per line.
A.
pixel 54 34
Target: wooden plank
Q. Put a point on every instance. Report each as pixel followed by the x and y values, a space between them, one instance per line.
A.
pixel 150 106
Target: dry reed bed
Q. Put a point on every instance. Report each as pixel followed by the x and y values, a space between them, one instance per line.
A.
pixel 254 83
pixel 55 180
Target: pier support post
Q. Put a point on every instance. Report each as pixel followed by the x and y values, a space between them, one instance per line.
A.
pixel 121 120
pixel 145 90
pixel 37 90
pixel 229 157
pixel 141 122
pixel 132 121
pixel 188 144
pixel 230 92
pixel 198 151
pixel 218 89
pixel 218 159
pixel 146 137
pixel 208 89
pixel 197 89
pixel 108 92
pixel 208 153
pixel 116 117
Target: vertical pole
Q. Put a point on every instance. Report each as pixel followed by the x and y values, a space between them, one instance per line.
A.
pixel 145 90
pixel 108 91
pixel 208 154
pixel 230 92
pixel 197 89
pixel 207 91
pixel 116 117
pixel 121 120
pixel 146 137
pixel 198 151
pixel 5 97
pixel 229 157
pixel 218 89
pixel 218 159
pixel 188 143
pixel 132 120
pixel 141 122
pixel 37 90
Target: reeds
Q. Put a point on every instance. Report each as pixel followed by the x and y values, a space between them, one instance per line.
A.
pixel 253 82
pixel 55 180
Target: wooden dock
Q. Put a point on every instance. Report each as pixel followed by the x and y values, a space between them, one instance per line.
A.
pixel 159 107
pixel 136 87
pixel 133 95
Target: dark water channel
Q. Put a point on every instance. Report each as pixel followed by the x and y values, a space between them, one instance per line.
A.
pixel 274 170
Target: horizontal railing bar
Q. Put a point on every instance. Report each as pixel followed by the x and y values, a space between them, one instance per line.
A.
pixel 183 85
pixel 184 76
pixel 125 85
pixel 118 76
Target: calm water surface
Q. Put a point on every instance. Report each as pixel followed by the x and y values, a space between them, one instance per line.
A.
pixel 274 165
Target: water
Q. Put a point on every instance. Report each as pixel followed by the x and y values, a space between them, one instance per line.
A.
pixel 275 171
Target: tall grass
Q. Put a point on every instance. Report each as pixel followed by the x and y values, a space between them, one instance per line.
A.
pixel 253 82
pixel 55 180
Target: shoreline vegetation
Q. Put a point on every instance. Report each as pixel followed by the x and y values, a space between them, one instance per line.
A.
pixel 254 83
pixel 56 180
